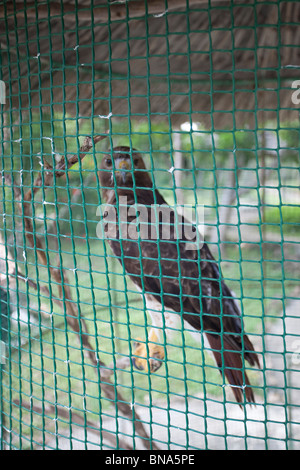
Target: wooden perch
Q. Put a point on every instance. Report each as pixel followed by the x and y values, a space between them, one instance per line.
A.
pixel 45 180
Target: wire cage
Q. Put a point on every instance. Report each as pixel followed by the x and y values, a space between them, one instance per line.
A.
pixel 208 93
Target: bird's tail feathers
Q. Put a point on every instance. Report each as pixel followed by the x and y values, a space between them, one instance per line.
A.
pixel 229 359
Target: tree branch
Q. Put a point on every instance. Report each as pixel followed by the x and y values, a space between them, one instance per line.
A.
pixel 45 179
pixel 75 418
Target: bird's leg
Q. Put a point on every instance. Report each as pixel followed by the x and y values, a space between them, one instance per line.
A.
pixel 149 355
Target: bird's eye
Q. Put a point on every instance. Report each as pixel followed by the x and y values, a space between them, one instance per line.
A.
pixel 136 161
pixel 108 161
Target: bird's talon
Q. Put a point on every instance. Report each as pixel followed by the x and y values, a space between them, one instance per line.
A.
pixel 148 359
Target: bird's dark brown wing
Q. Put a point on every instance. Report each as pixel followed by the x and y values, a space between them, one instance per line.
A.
pixel 186 281
pixel 190 283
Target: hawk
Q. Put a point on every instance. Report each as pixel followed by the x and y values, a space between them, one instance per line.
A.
pixel 179 285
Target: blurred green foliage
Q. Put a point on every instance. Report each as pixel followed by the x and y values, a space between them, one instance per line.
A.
pixel 286 218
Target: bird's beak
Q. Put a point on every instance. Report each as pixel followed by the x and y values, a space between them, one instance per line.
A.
pixel 123 168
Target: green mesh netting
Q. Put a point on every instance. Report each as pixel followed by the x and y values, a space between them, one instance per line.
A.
pixel 208 93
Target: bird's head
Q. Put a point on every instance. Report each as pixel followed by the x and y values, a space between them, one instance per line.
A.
pixel 123 167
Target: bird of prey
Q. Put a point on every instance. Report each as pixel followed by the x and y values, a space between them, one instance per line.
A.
pixel 179 285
